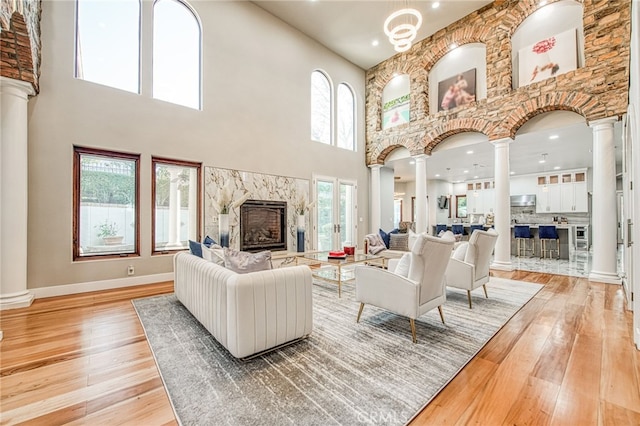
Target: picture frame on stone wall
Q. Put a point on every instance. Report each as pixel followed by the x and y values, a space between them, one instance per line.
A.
pixel 549 57
pixel 457 90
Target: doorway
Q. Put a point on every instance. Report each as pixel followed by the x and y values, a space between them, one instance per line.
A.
pixel 335 222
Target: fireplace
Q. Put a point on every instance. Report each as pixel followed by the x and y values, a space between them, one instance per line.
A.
pixel 263 225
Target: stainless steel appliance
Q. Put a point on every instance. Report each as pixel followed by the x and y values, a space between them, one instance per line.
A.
pixel 523 200
pixel 581 237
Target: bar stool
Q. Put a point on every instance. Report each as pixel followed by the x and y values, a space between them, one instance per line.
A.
pixel 546 234
pixel 458 229
pixel 474 227
pixel 524 240
pixel 440 227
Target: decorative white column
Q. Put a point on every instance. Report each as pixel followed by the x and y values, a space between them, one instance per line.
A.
pixel 174 209
pixel 13 193
pixel 421 192
pixel 502 220
pixel 374 226
pixel 604 265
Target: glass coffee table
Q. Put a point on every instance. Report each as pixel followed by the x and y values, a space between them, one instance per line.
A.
pixel 337 270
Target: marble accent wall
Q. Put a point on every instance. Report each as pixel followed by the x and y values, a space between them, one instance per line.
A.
pixel 260 187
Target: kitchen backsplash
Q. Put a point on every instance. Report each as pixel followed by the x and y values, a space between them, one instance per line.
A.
pixel 529 215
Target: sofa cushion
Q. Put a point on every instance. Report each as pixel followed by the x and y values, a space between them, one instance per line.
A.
pixel 243 262
pixel 208 241
pixel 460 252
pixel 196 248
pixel 214 254
pixel 386 236
pixel 399 242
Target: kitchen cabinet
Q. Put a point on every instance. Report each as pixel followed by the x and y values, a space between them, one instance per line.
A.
pixel 480 197
pixel 564 192
pixel 548 194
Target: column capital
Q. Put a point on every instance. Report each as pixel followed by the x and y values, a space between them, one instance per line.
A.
pixel 375 166
pixel 502 141
pixel 420 157
pixel 16 87
pixel 603 122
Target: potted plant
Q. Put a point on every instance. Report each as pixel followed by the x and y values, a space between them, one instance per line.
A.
pixel 109 233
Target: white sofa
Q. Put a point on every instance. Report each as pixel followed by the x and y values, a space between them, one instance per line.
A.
pixel 247 313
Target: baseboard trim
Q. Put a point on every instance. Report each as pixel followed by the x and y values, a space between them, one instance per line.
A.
pixel 63 290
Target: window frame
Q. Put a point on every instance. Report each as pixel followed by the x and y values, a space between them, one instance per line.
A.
pixel 78 151
pixel 200 55
pixel 331 141
pixel 354 110
pixel 174 162
pixel 458 197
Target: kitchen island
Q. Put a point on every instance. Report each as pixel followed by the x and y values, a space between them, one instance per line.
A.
pixel 564 234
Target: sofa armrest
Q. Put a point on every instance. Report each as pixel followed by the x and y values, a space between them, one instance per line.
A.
pixel 268 308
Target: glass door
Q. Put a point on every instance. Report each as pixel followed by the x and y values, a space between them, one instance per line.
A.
pixel 336 223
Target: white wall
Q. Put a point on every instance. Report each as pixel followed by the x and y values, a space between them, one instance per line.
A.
pixel 386 199
pixel 255 117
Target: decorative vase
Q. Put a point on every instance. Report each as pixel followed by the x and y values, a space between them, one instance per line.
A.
pixel 223 229
pixel 301 225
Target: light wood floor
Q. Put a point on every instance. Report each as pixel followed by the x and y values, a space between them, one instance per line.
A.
pixel 566 358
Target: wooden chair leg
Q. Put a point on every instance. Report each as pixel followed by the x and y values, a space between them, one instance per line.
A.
pixel 469 296
pixel 360 312
pixel 413 330
pixel 441 314
pixel 485 291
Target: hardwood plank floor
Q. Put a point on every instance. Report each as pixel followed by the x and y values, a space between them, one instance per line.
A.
pixel 567 357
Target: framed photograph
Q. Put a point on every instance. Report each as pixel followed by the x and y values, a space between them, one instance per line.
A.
pixel 457 90
pixel 396 111
pixel 548 58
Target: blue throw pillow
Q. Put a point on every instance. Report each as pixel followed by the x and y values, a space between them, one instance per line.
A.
pixel 196 248
pixel 208 241
pixel 386 236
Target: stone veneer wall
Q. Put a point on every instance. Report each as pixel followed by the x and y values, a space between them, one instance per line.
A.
pixel 597 90
pixel 20 40
pixel 261 187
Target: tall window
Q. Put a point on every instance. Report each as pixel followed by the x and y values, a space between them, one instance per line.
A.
pixel 320 108
pixel 176 195
pixel 176 54
pixel 108 43
pixel 106 215
pixel 461 206
pixel 346 117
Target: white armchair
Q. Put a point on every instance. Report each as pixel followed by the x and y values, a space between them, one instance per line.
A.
pixel 469 265
pixel 413 287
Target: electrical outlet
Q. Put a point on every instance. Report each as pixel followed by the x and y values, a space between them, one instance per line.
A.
pixel 131 270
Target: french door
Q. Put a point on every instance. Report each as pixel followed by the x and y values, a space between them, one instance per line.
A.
pixel 335 224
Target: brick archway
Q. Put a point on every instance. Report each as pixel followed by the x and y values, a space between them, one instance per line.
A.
pixel 453 127
pixel 15 48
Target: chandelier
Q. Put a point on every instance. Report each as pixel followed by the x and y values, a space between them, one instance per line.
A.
pixel 402 33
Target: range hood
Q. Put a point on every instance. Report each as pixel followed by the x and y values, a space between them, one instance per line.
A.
pixel 523 200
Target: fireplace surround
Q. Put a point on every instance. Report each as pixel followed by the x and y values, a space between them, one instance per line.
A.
pixel 263 225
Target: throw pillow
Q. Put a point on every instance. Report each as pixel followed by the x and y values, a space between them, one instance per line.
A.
pixel 208 241
pixel 399 242
pixel 196 248
pixel 243 262
pixel 448 235
pixel 460 252
pixel 402 268
pixel 214 254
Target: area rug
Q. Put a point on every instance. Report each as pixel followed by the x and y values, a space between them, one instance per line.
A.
pixel 345 373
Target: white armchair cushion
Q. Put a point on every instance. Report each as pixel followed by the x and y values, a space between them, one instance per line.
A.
pixel 403 265
pixel 460 252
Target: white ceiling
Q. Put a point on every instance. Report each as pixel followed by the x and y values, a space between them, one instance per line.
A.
pixel 349 27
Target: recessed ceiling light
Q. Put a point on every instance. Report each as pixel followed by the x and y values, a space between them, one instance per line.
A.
pixel 554 137
pixel 542 161
pixel 469 152
pixel 466 171
pixel 556 168
pixel 375 43
pixel 412 162
pixel 475 177
pixel 512 173
pixel 435 5
pixel 438 175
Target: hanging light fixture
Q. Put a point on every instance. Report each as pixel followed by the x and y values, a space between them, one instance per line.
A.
pixel 401 34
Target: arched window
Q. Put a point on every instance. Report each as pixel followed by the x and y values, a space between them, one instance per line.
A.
pixel 108 43
pixel 176 53
pixel 346 117
pixel 320 108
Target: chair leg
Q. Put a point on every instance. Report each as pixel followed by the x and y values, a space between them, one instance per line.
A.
pixel 413 330
pixel 360 312
pixel 441 314
pixel 469 296
pixel 485 291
